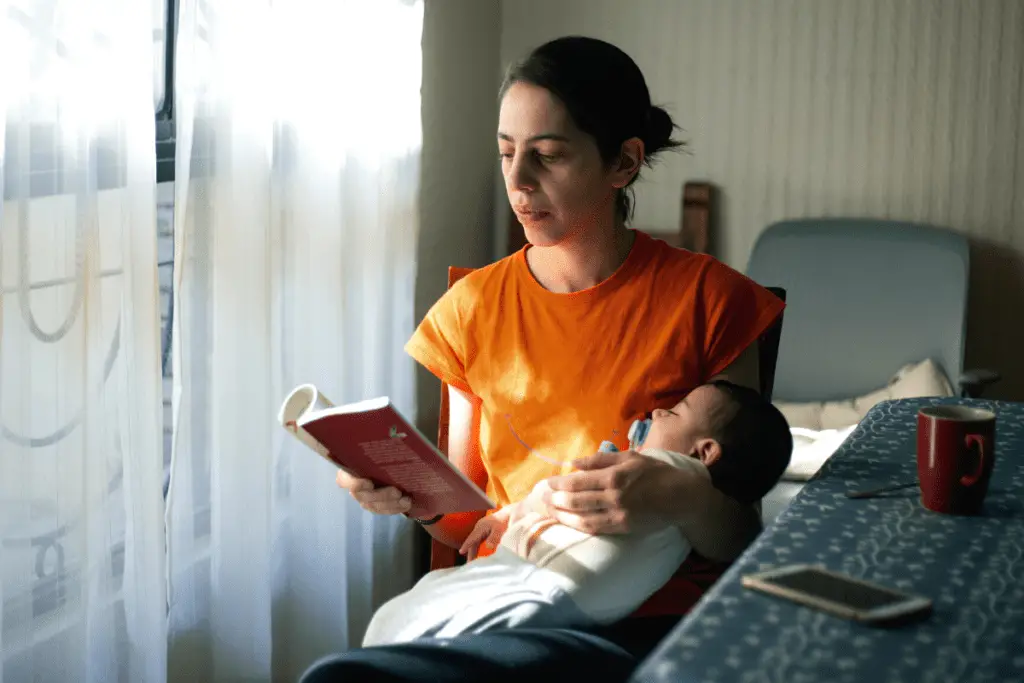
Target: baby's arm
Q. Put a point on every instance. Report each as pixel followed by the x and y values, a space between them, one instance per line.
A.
pixel 490 529
pixel 517 523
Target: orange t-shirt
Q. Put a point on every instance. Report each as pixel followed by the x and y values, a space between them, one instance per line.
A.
pixel 557 374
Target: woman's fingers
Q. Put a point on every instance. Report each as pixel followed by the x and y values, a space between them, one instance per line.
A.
pixel 584 480
pixel 603 522
pixel 602 460
pixel 583 501
pixel 346 480
pixel 386 500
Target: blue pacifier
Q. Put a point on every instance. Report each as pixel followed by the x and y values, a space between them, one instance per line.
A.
pixel 637 433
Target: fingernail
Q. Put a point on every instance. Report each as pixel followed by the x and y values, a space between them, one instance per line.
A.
pixel 405 502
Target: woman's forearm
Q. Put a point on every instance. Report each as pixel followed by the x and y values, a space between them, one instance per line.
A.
pixel 725 528
pixel 717 526
pixel 464 453
pixel 452 529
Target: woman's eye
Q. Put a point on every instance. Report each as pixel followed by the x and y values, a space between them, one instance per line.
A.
pixel 547 158
pixel 504 155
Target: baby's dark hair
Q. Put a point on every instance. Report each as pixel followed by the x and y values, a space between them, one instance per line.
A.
pixel 756 444
pixel 606 95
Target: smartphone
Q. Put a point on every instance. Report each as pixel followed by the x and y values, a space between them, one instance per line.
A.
pixel 839 594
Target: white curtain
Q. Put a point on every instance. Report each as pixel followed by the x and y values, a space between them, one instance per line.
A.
pixel 82 570
pixel 295 223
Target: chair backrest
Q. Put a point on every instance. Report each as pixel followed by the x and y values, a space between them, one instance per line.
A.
pixel 442 556
pixel 768 350
pixel 865 297
pixel 695 220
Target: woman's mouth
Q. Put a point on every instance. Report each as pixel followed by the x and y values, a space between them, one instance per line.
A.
pixel 532 216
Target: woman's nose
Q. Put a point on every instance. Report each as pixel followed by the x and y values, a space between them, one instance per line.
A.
pixel 519 176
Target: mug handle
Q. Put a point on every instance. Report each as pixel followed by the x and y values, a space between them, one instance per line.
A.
pixel 972 441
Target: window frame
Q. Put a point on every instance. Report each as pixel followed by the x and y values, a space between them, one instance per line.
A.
pixel 165 125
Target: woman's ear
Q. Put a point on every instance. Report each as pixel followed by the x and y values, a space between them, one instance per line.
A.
pixel 708 451
pixel 631 157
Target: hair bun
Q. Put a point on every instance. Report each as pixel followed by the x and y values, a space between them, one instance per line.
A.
pixel 659 130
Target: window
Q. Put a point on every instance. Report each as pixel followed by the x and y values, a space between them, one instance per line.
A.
pixel 33 31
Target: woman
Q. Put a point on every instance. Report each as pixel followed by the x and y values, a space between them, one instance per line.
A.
pixel 556 348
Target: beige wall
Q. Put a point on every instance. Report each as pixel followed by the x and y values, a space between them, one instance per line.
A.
pixel 460 67
pixel 908 109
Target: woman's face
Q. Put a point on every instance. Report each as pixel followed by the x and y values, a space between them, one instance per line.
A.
pixel 554 176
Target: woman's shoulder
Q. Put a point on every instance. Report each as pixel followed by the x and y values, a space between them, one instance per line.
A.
pixel 678 263
pixel 682 272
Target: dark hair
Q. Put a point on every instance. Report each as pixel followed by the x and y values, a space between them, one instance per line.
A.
pixel 605 94
pixel 756 444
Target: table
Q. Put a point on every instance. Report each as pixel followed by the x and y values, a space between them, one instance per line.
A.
pixel 971 567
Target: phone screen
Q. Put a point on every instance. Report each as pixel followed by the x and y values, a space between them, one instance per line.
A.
pixel 837 589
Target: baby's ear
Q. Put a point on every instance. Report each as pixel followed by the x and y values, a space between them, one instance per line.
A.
pixel 708 451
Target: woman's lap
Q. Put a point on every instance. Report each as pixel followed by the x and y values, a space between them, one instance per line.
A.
pixel 519 655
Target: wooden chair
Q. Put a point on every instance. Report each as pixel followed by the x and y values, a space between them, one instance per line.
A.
pixel 696 225
pixel 442 556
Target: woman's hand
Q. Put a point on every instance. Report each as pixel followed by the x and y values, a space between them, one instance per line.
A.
pixel 614 493
pixel 386 500
pixel 490 528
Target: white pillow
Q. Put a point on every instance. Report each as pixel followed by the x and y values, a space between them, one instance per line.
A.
pixel 811 449
pixel 912 381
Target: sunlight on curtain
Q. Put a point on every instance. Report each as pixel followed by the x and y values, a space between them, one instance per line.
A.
pixel 295 234
pixel 81 534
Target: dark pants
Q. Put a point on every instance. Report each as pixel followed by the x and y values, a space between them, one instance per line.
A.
pixel 511 655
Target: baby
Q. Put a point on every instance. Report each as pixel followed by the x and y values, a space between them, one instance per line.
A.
pixel 545 574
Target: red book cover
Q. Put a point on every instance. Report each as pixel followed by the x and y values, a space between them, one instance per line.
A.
pixel 373 440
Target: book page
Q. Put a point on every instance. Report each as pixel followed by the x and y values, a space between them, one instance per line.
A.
pixel 305 399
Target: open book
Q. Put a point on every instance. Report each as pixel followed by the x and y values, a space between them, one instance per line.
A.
pixel 372 440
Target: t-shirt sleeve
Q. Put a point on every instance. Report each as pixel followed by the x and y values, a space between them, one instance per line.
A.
pixel 439 342
pixel 737 312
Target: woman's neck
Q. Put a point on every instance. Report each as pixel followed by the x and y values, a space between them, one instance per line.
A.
pixel 581 262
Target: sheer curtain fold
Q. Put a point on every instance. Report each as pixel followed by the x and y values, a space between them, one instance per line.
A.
pixel 295 232
pixel 81 535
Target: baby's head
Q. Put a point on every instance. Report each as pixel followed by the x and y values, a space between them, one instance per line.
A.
pixel 743 440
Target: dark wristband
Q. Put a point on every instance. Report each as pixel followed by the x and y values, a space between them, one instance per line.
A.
pixel 427 522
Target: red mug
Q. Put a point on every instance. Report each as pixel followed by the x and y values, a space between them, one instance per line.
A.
pixel 955 455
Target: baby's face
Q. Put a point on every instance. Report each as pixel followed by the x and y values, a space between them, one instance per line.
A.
pixel 678 428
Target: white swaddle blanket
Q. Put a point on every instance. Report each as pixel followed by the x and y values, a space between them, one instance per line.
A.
pixel 566 579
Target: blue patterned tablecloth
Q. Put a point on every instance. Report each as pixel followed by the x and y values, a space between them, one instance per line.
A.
pixel 971 567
